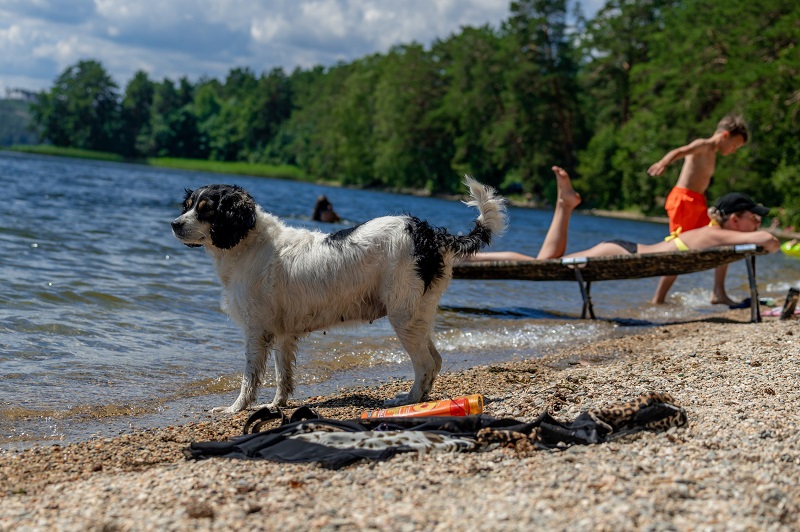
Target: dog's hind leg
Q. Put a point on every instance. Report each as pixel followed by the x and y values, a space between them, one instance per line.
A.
pixel 437 358
pixel 257 350
pixel 285 354
pixel 415 335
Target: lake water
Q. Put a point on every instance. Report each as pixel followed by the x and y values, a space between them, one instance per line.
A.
pixel 108 323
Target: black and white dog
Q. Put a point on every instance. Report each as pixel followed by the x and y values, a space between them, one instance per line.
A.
pixel 280 283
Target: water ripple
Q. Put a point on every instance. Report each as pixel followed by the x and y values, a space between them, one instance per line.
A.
pixel 104 314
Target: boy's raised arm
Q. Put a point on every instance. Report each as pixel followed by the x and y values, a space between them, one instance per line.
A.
pixel 678 153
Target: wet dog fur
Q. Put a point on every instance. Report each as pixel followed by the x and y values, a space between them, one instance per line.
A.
pixel 280 283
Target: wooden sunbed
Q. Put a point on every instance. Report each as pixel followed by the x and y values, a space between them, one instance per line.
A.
pixel 618 267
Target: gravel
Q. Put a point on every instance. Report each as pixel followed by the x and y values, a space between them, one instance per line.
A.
pixel 735 466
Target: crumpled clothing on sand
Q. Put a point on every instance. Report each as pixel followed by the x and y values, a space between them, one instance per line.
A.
pixel 337 443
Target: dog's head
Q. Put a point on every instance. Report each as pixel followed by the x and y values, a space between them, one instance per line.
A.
pixel 215 215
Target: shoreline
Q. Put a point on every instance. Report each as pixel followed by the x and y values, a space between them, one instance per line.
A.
pixel 734 466
pixel 602 213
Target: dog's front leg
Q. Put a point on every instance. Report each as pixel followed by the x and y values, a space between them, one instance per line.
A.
pixel 285 355
pixel 257 348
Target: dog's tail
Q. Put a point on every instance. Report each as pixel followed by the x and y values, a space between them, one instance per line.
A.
pixel 491 222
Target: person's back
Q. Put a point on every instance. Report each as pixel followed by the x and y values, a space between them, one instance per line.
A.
pixel 698 166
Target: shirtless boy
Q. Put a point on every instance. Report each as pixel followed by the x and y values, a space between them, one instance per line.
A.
pixel 686 204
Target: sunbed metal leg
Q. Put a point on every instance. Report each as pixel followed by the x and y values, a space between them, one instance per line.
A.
pixel 585 294
pixel 755 304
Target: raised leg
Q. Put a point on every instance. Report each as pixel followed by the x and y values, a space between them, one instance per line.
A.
pixel 555 242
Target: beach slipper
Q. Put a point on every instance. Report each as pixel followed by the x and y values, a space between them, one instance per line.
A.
pixel 790 304
pixel 261 417
pixel 744 303
pixel 302 414
pixel 777 311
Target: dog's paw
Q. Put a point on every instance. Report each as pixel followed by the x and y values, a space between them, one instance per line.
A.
pixel 271 406
pixel 224 410
pixel 399 400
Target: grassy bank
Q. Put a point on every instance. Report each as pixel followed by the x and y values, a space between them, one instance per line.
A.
pixel 285 171
pixel 198 165
pixel 67 152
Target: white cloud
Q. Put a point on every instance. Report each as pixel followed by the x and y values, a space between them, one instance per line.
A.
pixel 264 30
pixel 11 37
pixel 326 18
pixel 39 38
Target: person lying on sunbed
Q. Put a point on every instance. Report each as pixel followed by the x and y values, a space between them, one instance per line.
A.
pixel 735 219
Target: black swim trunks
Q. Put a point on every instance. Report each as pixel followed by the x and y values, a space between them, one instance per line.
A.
pixel 627 245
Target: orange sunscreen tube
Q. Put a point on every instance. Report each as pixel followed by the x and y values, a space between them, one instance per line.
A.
pixel 459 406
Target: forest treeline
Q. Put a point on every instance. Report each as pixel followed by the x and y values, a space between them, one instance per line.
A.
pixel 605 98
pixel 14 123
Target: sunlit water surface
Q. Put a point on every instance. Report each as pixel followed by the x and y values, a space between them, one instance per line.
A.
pixel 108 323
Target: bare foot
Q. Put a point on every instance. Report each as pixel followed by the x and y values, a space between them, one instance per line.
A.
pixel 722 300
pixel 566 194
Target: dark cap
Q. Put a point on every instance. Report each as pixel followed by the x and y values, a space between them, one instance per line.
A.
pixel 733 202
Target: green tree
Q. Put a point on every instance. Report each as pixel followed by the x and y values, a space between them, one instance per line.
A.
pixel 542 121
pixel 772 95
pixel 410 150
pixel 206 106
pixel 82 109
pixel 15 123
pixel 308 139
pixel 229 131
pixel 606 97
pixel 174 131
pixel 472 107
pixel 352 121
pixel 742 59
pixel 267 108
pixel 616 41
pixel 135 114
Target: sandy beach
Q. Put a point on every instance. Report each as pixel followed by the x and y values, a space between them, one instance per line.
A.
pixel 734 466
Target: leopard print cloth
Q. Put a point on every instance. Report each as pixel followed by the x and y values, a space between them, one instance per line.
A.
pixel 650 411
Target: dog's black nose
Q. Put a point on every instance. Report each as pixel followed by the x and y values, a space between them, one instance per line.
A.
pixel 176 225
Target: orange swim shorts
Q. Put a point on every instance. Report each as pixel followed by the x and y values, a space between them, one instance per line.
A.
pixel 686 209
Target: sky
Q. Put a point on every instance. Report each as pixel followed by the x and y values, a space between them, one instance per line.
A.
pixel 207 38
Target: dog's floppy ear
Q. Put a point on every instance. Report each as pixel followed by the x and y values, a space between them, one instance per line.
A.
pixel 235 217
